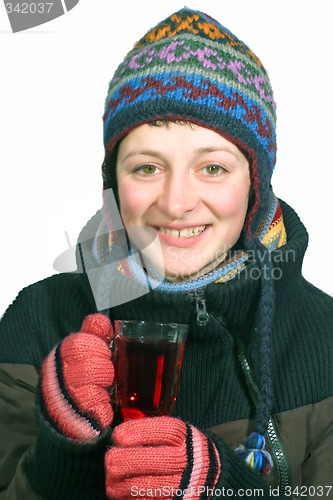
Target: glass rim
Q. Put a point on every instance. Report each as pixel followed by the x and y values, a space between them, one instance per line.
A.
pixel 141 322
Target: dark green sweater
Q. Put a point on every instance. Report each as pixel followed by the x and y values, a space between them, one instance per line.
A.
pixel 213 392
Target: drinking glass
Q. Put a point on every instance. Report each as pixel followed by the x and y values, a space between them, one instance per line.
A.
pixel 147 359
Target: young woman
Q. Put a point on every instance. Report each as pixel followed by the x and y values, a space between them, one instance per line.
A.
pixel 190 232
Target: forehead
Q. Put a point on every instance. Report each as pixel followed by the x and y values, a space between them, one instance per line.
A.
pixel 188 137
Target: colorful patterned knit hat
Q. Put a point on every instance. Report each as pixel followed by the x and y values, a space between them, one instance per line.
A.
pixel 189 68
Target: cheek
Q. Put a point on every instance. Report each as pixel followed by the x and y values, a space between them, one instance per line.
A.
pixel 127 199
pixel 232 202
pixel 133 202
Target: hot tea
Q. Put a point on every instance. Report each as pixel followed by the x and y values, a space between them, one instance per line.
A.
pixel 148 359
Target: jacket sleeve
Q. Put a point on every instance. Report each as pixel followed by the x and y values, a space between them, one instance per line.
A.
pixel 308 434
pixel 317 475
pixel 36 461
pixel 18 429
pixel 64 468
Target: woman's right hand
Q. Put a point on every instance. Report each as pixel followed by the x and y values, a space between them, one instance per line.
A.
pixel 76 380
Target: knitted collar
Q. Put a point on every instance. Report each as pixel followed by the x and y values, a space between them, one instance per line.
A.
pixel 271 233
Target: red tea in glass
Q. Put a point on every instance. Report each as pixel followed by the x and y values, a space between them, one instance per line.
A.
pixel 148 358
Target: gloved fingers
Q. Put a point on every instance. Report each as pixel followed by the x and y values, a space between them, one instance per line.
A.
pixel 80 346
pixel 99 325
pixel 133 462
pixel 152 431
pixel 92 396
pixel 145 488
pixel 92 371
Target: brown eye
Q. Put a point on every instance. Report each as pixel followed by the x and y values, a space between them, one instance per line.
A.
pixel 213 169
pixel 148 169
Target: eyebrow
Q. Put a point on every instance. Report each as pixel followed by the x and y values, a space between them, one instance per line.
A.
pixel 197 152
pixel 213 149
pixel 145 152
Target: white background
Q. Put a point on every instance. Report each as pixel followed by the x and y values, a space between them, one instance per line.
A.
pixel 53 83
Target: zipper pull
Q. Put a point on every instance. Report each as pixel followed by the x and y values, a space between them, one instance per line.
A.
pixel 200 306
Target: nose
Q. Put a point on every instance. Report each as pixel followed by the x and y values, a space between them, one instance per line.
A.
pixel 178 195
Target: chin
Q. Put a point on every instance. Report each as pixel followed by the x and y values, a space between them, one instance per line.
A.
pixel 179 275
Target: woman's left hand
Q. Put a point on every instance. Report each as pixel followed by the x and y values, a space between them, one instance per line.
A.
pixel 160 457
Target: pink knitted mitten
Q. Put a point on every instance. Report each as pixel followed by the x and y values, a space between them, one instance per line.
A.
pixel 76 376
pixel 160 457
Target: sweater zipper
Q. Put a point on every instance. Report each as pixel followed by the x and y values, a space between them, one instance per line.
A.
pixel 200 306
pixel 279 455
pixel 278 452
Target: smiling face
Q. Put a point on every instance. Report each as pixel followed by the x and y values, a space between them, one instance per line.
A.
pixel 191 187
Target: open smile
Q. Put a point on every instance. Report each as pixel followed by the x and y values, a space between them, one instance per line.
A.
pixel 182 238
pixel 187 232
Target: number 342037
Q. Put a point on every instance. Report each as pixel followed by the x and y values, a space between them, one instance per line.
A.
pixel 29 8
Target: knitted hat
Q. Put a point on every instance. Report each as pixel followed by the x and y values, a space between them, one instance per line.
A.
pixel 189 68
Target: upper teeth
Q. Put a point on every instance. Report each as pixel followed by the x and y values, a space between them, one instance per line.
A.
pixel 183 233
